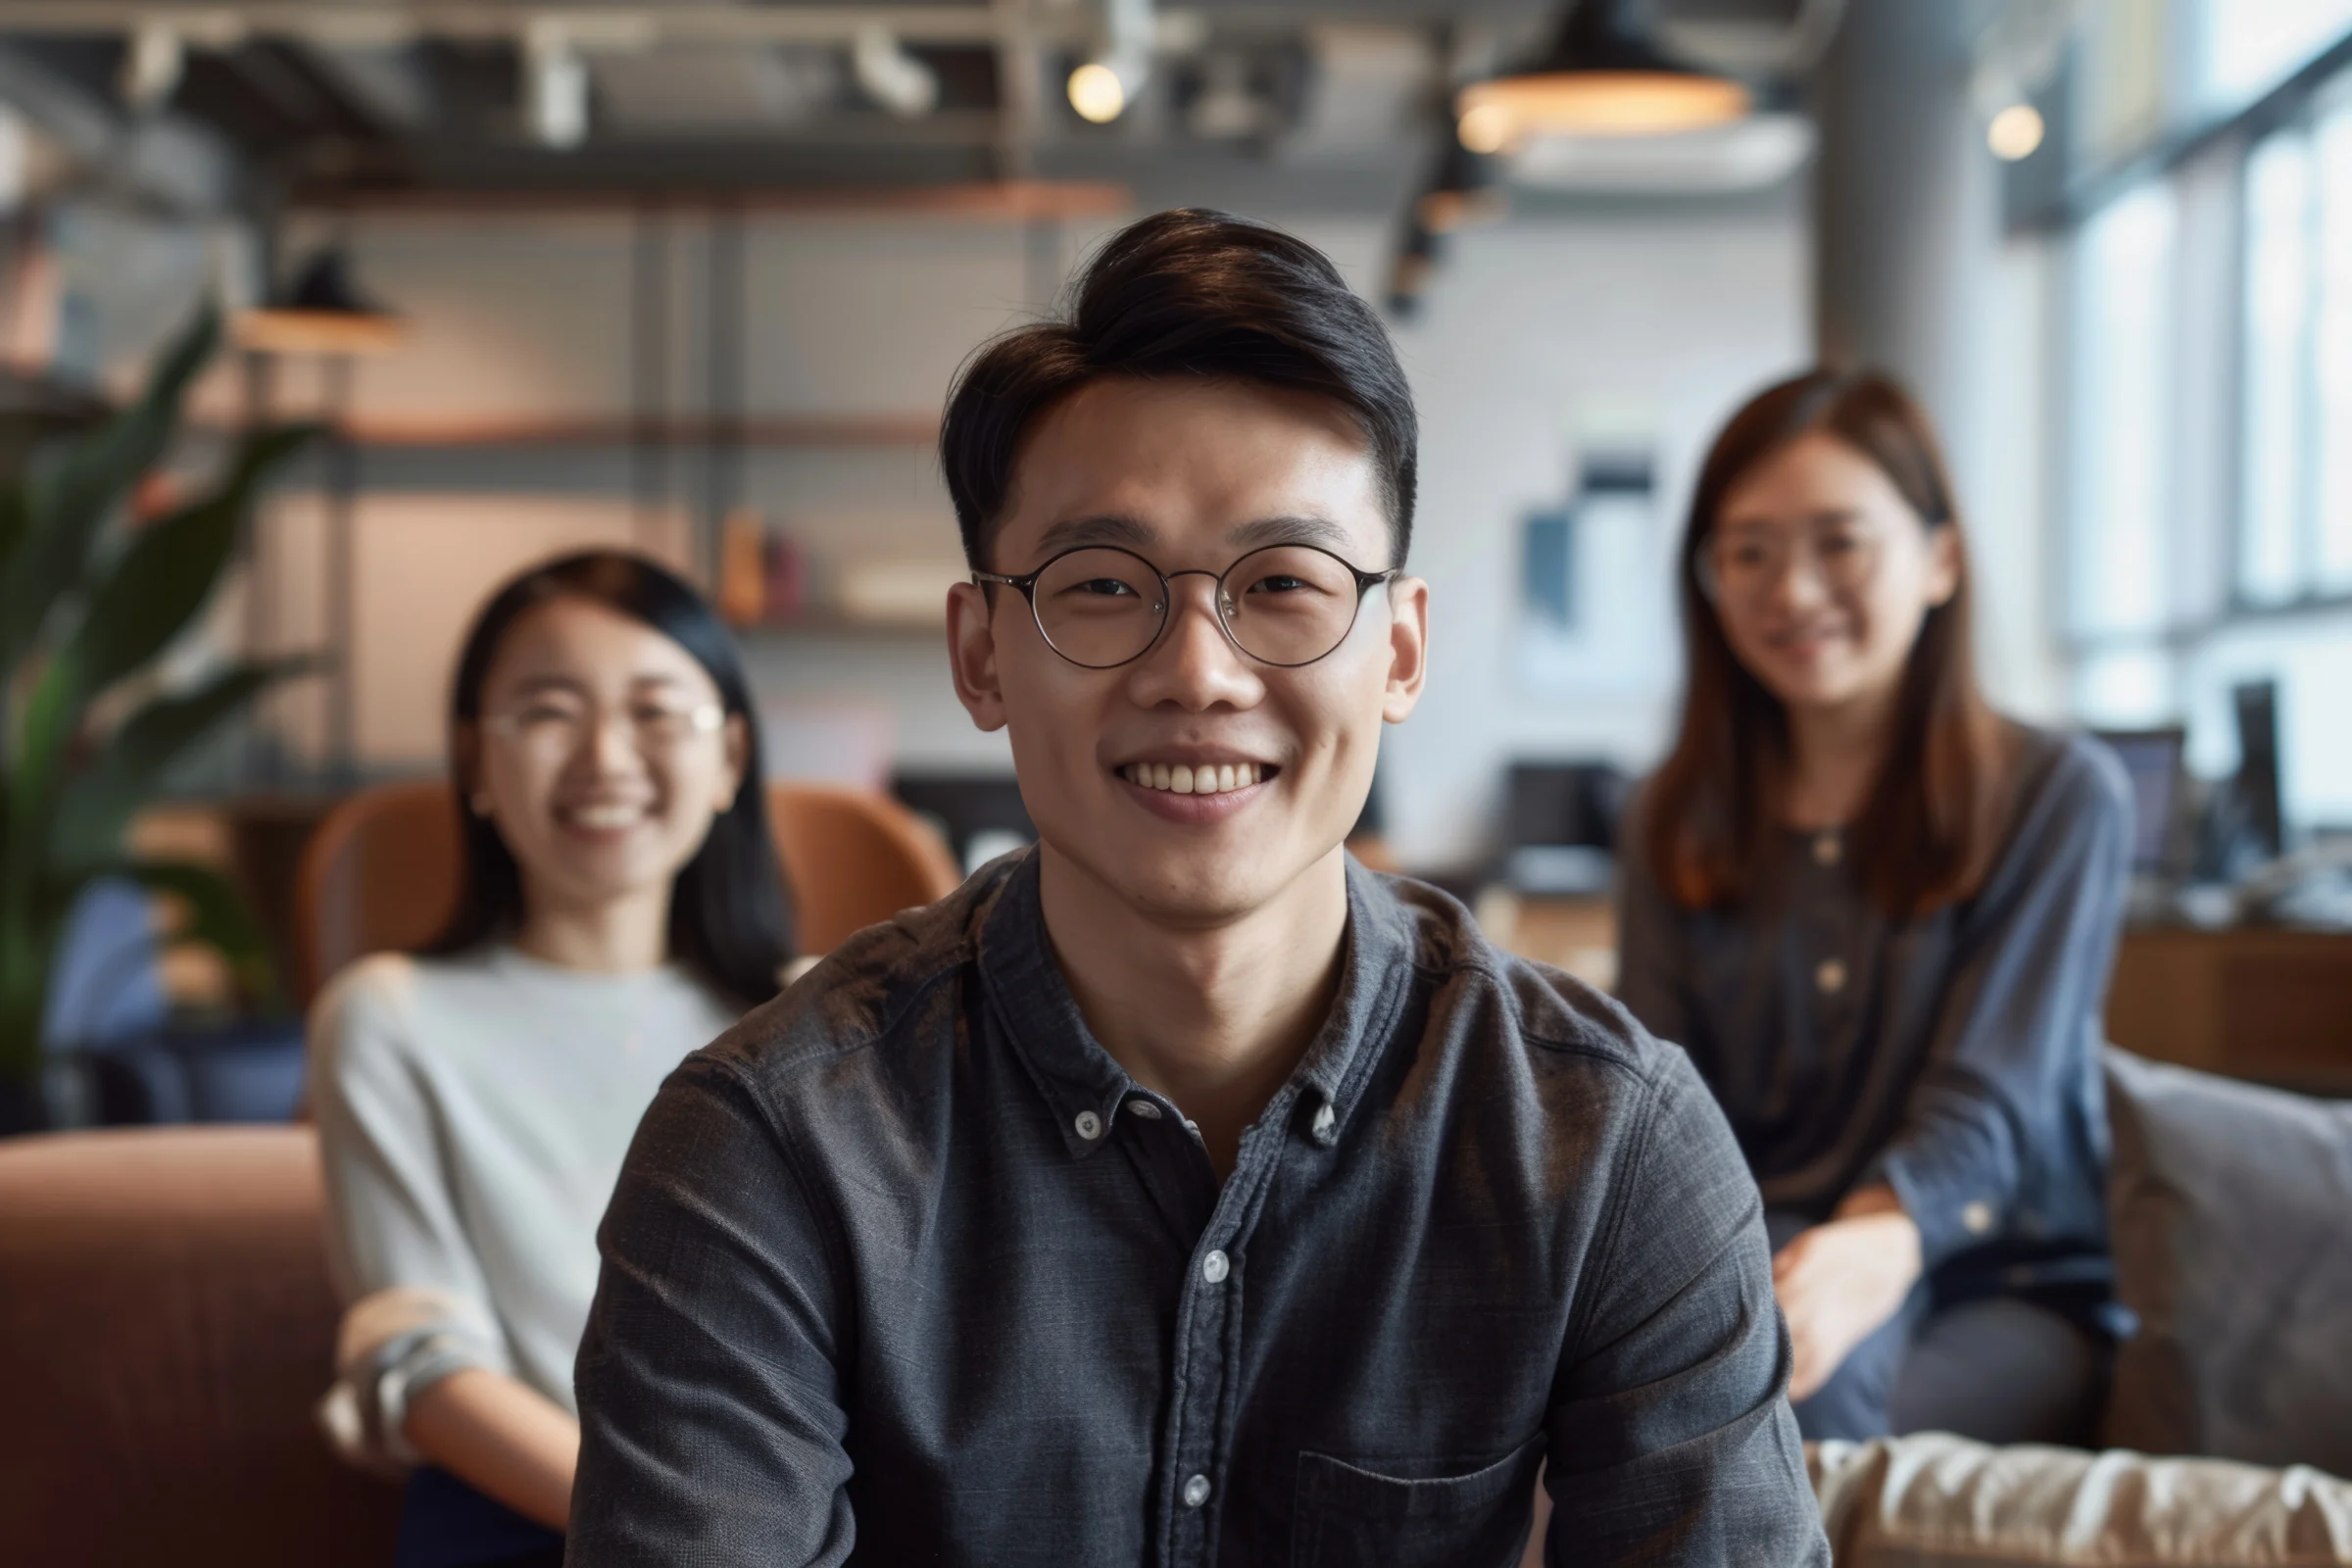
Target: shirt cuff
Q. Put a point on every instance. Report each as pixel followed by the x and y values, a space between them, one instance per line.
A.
pixel 1953 1212
pixel 392 1347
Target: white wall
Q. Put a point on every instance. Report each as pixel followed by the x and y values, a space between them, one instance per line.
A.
pixel 1537 339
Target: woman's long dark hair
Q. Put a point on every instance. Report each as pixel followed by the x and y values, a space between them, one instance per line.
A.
pixel 728 916
pixel 1927 831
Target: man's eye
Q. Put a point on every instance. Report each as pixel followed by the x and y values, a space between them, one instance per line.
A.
pixel 1109 587
pixel 1841 544
pixel 1279 584
pixel 538 715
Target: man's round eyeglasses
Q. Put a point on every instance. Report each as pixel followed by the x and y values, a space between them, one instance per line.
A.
pixel 1101 606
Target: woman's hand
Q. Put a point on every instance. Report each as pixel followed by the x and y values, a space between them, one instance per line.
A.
pixel 1838 1281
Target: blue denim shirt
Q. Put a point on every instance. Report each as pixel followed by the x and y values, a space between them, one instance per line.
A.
pixel 1954 1055
pixel 905 1268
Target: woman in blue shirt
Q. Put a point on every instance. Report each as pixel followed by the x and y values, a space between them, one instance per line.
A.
pixel 1881 918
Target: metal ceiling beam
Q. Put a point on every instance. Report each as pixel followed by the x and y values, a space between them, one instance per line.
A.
pixel 588 27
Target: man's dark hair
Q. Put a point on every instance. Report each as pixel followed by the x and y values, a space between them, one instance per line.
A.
pixel 1187 292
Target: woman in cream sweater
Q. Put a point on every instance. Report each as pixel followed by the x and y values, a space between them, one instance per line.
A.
pixel 621 907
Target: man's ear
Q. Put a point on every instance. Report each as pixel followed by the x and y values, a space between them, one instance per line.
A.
pixel 972 655
pixel 1408 647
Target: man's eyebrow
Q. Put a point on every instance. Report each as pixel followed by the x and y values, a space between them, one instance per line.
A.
pixel 1103 528
pixel 1301 529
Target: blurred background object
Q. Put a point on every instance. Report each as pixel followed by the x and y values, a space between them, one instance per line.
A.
pixel 101 569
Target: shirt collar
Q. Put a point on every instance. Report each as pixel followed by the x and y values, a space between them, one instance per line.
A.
pixel 1085 1088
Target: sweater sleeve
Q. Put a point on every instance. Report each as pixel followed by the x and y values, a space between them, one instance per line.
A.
pixel 2018 1027
pixel 415 1305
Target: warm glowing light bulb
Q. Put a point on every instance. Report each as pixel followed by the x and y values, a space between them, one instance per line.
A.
pixel 1097 93
pixel 1485 128
pixel 2014 132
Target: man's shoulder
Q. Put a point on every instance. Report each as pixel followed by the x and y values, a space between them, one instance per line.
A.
pixel 1495 1000
pixel 882 989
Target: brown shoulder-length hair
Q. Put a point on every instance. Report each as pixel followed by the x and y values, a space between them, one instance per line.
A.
pixel 1928 830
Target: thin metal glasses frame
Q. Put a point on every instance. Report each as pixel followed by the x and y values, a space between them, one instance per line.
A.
pixel 1027 584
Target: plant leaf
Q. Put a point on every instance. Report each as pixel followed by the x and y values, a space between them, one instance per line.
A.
pixel 11 524
pixel 73 488
pixel 93 812
pixel 48 723
pixel 169 570
pixel 217 918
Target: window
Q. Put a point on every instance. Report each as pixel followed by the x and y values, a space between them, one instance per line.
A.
pixel 2252 45
pixel 2295 405
pixel 2122 311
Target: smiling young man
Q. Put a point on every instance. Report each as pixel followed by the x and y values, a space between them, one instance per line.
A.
pixel 1180 1192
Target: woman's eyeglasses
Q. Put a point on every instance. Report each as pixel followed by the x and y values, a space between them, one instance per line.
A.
pixel 1747 563
pixel 1100 605
pixel 554 726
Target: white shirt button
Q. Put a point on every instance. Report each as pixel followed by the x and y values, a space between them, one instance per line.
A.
pixel 1144 1108
pixel 1325 1120
pixel 1976 1216
pixel 1215 1266
pixel 1090 1125
pixel 1828 849
pixel 1830 976
pixel 1196 1491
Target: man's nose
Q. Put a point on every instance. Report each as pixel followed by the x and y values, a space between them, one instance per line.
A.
pixel 1194 663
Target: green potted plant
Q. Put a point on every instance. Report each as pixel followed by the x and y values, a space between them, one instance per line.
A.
pixel 88 598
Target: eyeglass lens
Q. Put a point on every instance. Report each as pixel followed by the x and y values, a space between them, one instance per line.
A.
pixel 1283 605
pixel 559 725
pixel 1749 561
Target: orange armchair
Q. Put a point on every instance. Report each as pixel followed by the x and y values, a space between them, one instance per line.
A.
pixel 382 871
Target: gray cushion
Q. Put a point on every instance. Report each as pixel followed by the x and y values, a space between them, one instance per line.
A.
pixel 2231 1210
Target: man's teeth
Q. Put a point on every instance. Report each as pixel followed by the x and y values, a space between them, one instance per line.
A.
pixel 602 817
pixel 1180 779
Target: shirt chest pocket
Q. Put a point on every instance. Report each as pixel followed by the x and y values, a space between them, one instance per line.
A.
pixel 1348 1516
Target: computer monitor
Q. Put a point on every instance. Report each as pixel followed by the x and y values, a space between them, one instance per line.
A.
pixel 2151 758
pixel 2260 816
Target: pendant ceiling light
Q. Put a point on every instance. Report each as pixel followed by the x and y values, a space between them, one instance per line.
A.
pixel 322 313
pixel 1602 76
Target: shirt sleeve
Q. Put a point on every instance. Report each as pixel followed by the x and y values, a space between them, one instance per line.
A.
pixel 710 1407
pixel 415 1307
pixel 2018 1028
pixel 1671 1440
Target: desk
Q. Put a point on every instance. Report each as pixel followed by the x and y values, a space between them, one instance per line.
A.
pixel 2248 1002
pixel 2251 1001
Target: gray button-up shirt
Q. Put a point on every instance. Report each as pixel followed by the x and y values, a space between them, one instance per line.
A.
pixel 905 1269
